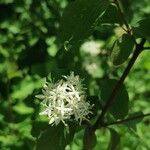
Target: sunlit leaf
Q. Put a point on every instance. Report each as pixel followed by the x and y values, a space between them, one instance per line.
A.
pixel 22 109
pixel 122 49
pixel 142 29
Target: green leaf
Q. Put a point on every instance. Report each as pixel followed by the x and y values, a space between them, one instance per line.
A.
pixel 110 15
pixel 122 49
pixel 22 109
pixel 54 137
pixel 119 108
pixel 78 20
pixel 115 140
pixel 12 70
pixel 142 29
pixel 26 87
pixel 37 127
pixel 77 142
pixel 132 123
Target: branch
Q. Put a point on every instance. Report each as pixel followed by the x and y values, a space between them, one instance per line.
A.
pixel 88 140
pixel 146 48
pixel 122 17
pixel 138 49
pixel 90 130
pixel 126 120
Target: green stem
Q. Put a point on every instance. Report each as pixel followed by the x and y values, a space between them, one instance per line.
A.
pixel 90 131
pixel 138 49
pixel 127 120
pixel 146 48
pixel 122 17
pixel 88 140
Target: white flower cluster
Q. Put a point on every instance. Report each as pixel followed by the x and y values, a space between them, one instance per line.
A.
pixel 65 99
pixel 91 47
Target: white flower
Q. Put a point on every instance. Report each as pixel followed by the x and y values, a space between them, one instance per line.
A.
pixel 64 100
pixel 91 47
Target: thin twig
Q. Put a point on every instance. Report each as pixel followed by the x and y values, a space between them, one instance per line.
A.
pixel 122 17
pixel 118 85
pixel 126 120
pixel 146 48
pixel 124 20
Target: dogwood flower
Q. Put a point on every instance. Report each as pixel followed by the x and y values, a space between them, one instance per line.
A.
pixel 64 100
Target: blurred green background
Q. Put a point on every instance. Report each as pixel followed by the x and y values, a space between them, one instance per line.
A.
pixel 30 50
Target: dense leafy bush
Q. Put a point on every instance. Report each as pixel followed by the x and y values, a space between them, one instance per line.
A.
pixel 105 42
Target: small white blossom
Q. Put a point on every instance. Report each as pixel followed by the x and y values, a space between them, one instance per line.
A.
pixel 91 47
pixel 64 100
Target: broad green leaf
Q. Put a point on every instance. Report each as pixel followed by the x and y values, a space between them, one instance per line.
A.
pixel 122 49
pixel 119 108
pixel 111 15
pixel 78 20
pixel 114 141
pixel 142 29
pixel 54 137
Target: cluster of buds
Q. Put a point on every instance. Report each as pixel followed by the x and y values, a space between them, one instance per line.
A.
pixel 64 100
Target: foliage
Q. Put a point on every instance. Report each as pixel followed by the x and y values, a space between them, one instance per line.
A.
pixel 96 39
